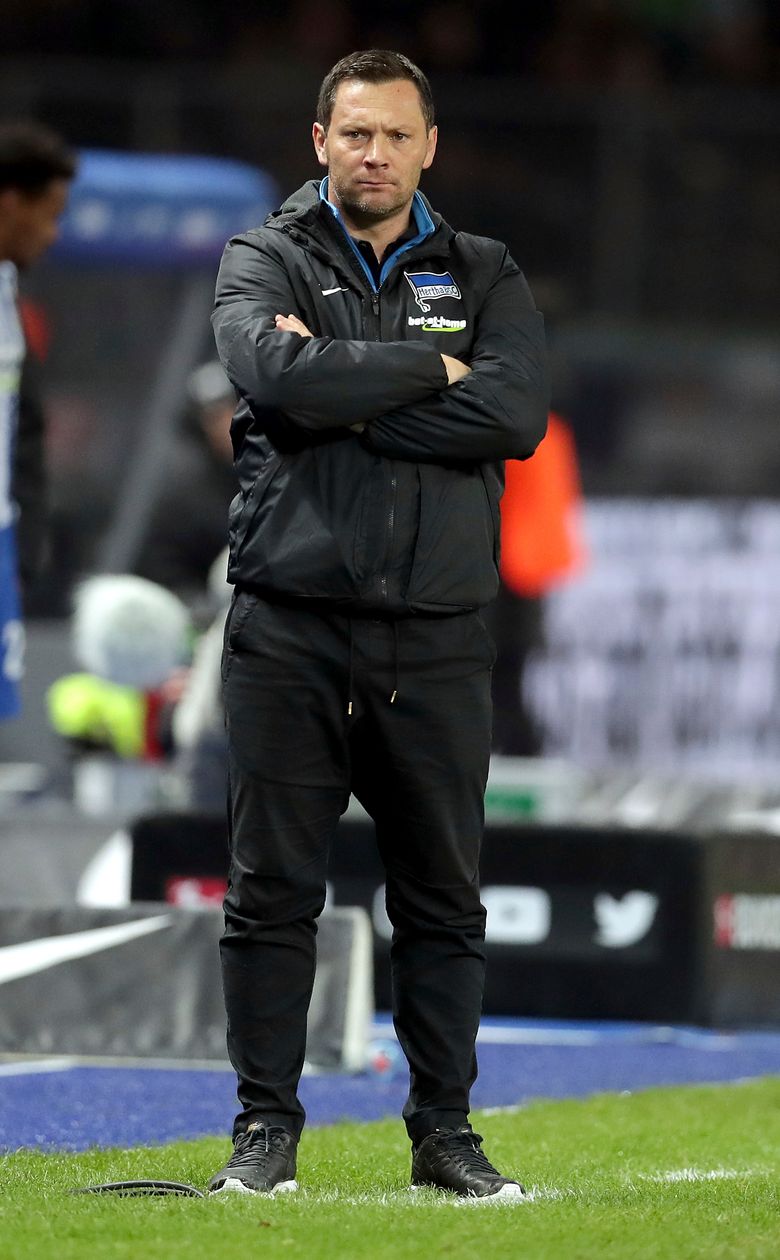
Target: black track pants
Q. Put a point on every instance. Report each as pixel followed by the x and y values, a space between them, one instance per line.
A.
pixel 419 766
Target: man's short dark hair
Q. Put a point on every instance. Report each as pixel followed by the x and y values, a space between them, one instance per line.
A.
pixel 31 156
pixel 376 65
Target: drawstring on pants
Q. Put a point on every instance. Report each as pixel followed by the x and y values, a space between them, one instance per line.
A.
pixel 351 677
pixel 395 662
pixel 351 670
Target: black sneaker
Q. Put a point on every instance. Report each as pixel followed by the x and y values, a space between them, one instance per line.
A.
pixel 263 1162
pixel 452 1159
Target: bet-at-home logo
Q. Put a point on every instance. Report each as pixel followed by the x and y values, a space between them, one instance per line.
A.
pixel 436 323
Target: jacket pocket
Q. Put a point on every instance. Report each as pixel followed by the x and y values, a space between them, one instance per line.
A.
pixel 241 609
pixel 495 516
pixel 244 507
pixel 454 561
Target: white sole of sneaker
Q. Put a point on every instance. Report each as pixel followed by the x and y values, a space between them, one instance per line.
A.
pixel 511 1191
pixel 231 1185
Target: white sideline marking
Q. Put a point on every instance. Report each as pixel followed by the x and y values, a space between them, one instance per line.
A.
pixel 36 1066
pixel 404 1198
pixel 700 1174
pixel 536 1194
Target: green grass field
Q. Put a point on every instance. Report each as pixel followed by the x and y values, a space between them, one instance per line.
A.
pixel 667 1173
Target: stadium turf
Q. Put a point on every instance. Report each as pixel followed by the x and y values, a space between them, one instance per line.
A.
pixel 666 1174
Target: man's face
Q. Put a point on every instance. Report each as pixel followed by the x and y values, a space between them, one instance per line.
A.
pixel 375 148
pixel 29 222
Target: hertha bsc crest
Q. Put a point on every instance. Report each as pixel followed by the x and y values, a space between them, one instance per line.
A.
pixel 427 286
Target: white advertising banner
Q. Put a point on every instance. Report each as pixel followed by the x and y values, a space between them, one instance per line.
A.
pixel 665 654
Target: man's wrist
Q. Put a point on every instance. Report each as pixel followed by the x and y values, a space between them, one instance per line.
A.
pixel 454 368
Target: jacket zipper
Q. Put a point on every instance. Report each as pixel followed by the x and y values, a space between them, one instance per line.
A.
pixel 390 518
pixel 390 529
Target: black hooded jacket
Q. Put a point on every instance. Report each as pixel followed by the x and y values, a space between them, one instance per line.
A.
pixel 399 516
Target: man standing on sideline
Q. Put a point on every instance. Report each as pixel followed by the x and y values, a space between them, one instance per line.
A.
pixel 35 173
pixel 386 366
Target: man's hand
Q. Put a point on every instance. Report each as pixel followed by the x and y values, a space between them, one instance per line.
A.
pixel 455 369
pixel 291 323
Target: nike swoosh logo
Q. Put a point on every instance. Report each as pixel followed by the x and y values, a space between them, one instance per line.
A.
pixel 29 957
pixel 338 289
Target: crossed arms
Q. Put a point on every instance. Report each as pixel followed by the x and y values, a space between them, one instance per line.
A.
pixel 413 402
pixel 454 368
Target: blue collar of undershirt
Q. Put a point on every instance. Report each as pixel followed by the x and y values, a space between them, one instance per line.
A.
pixel 423 222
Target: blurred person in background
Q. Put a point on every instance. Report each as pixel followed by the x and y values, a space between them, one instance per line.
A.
pixel 187 527
pixel 29 479
pixel 386 366
pixel 36 168
pixel 542 545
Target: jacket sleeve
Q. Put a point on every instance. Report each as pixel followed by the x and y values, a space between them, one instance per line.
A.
pixel 499 411
pixel 318 382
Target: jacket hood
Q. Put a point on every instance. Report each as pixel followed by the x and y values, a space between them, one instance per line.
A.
pixel 302 204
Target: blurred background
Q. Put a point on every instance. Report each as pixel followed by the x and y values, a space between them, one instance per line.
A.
pixel 627 152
